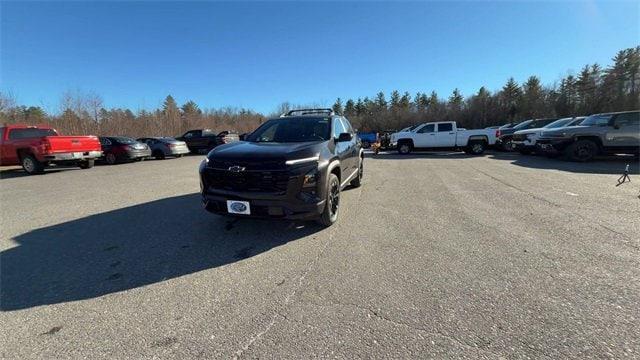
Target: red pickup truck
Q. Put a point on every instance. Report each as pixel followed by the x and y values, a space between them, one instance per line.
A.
pixel 35 147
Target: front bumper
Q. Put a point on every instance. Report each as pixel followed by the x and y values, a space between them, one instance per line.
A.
pixel 263 208
pixel 552 145
pixel 70 156
pixel 270 195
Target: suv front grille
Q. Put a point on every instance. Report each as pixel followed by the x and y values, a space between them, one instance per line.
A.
pixel 247 181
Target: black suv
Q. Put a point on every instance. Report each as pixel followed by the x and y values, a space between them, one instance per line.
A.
pixel 291 167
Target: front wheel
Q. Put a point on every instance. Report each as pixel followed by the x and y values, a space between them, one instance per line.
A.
pixel 581 150
pixel 404 148
pixel 330 214
pixel 31 165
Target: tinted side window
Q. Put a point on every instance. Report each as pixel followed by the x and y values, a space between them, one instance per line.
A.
pixel 347 125
pixel 338 127
pixel 105 141
pixel 445 127
pixel 628 119
pixel 427 128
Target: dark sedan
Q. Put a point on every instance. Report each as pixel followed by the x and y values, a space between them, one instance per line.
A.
pixel 117 149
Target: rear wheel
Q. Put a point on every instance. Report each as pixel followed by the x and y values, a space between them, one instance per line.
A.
pixel 581 150
pixel 330 214
pixel 86 164
pixel 476 147
pixel 31 165
pixel 110 159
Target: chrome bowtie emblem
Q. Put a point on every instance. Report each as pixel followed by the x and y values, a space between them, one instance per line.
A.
pixel 236 168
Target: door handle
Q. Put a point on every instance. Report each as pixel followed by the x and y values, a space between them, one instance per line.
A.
pixel 432 134
pixel 451 133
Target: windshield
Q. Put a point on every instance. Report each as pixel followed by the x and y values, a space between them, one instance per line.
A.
pixel 505 126
pixel 287 130
pixel 596 120
pixel 523 124
pixel 558 123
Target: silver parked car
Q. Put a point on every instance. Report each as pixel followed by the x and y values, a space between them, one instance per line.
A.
pixel 161 147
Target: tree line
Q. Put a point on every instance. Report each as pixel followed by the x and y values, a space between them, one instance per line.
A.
pixel 84 113
pixel 595 89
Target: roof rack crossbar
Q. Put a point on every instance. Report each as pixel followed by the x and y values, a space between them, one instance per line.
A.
pixel 309 111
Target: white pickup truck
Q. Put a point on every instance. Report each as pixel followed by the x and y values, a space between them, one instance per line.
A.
pixel 443 135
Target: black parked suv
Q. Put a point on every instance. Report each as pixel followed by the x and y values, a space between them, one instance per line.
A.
pixel 291 167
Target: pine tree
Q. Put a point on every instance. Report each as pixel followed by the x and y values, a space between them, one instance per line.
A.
pixel 190 108
pixel 510 98
pixel 350 108
pixel 337 107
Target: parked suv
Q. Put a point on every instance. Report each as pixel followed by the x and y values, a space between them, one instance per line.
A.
pixel 524 141
pixel 505 136
pixel 203 140
pixel 609 133
pixel 291 167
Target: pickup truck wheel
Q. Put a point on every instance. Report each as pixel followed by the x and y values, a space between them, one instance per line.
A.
pixel 404 148
pixel 358 180
pixel 330 214
pixel 477 147
pixel 87 164
pixel 31 165
pixel 110 159
pixel 581 150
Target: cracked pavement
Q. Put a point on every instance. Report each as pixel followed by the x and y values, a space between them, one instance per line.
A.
pixel 435 256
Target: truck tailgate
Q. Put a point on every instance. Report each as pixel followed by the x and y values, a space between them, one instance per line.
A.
pixel 61 144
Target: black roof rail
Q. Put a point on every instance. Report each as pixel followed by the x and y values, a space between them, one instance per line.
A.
pixel 326 111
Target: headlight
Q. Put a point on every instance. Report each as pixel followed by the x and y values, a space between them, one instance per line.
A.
pixel 204 163
pixel 310 178
pixel 300 161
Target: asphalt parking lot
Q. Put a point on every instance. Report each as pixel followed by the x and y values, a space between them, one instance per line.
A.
pixel 436 255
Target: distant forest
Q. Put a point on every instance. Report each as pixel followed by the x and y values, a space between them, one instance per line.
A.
pixel 594 89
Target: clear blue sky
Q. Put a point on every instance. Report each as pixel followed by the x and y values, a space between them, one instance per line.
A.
pixel 259 54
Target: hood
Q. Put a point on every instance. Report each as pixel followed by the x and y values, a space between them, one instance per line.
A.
pixel 255 151
pixel 566 129
pixel 528 131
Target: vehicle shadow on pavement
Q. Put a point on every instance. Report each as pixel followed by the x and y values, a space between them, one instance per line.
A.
pixel 131 247
pixel 19 172
pixel 602 165
pixel 420 155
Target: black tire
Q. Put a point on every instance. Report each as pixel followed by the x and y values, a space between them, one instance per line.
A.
pixel 358 180
pixel 31 165
pixel 330 214
pixel 86 164
pixel 581 151
pixel 179 155
pixel 110 159
pixel 405 147
pixel 158 155
pixel 507 146
pixel 476 147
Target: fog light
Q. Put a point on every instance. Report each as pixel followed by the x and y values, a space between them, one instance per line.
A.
pixel 310 179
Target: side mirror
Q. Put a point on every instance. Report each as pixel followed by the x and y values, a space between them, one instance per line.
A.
pixel 345 137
